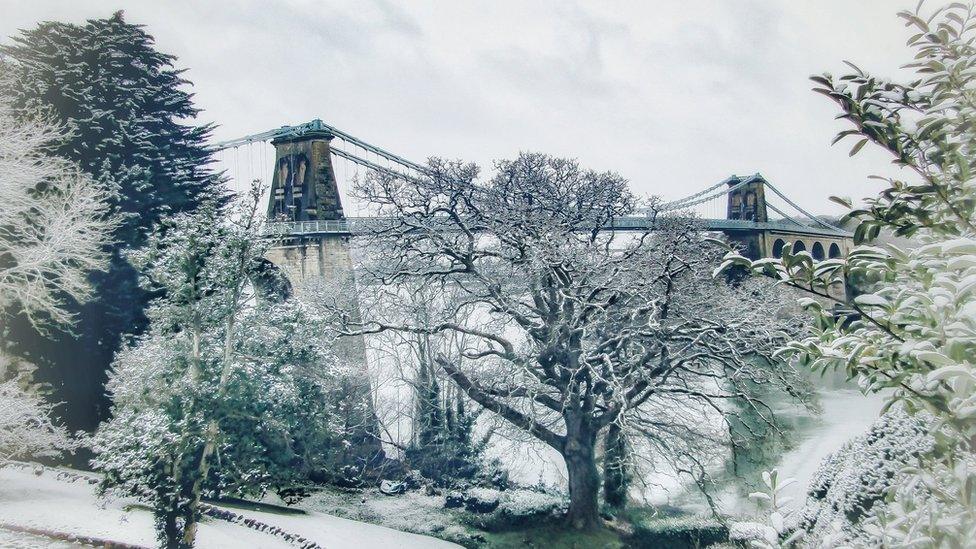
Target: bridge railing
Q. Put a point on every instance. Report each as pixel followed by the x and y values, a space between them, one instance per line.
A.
pixel 287 228
pixel 361 225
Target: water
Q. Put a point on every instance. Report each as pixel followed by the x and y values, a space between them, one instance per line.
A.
pixel 846 414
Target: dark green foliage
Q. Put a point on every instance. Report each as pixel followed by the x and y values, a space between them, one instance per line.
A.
pixel 124 103
pixel 123 100
pixel 431 425
pixel 678 533
pixel 616 474
pixel 227 393
pixel 443 448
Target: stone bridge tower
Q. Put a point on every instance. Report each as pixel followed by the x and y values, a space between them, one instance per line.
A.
pixel 304 188
pixel 748 202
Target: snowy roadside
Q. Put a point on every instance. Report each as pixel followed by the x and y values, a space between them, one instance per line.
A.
pixel 42 501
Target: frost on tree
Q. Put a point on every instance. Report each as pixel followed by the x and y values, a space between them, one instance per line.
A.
pixel 26 429
pixel 55 228
pixel 54 220
pixel 570 328
pixel 226 394
pixel 133 131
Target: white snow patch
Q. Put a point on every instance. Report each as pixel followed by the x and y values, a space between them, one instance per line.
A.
pixel 45 502
pixel 411 512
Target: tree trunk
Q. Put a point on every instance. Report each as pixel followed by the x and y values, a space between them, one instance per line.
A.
pixel 616 478
pixel 167 527
pixel 192 513
pixel 584 480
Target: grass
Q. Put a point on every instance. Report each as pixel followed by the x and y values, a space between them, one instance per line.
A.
pixel 552 536
pixel 638 527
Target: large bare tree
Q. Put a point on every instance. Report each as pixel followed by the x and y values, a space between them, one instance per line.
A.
pixel 572 327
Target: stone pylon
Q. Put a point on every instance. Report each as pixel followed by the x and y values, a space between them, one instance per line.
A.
pixel 304 188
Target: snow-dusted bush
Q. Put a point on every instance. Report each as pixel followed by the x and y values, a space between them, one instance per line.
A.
pixel 749 531
pixel 495 510
pixel 852 483
pixel 482 500
pixel 26 430
pixel 678 532
pixel 225 394
pixel 520 503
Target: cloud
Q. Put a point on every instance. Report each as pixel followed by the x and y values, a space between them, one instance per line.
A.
pixel 672 96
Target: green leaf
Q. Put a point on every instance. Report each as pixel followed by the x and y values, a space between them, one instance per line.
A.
pixel 857 147
pixel 845 202
pixel 842 135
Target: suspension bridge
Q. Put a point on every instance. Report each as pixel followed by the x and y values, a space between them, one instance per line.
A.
pixel 314 164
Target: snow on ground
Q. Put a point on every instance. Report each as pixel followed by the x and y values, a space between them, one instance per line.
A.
pixel 334 532
pixel 45 502
pixel 14 540
pixel 412 511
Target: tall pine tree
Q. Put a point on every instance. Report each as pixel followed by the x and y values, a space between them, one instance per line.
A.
pixel 130 118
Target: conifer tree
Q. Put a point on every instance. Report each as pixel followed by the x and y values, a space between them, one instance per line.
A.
pixel 127 108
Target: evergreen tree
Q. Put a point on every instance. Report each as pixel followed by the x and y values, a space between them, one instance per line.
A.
pixel 442 446
pixel 124 104
pixel 430 419
pixel 226 393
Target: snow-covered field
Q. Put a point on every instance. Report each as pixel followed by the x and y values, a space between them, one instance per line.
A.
pixel 42 501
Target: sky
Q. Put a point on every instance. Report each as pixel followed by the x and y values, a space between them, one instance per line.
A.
pixel 674 96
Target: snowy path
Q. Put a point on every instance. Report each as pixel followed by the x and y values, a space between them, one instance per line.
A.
pixel 44 502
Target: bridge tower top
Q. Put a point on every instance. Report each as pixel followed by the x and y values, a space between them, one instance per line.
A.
pixel 747 200
pixel 303 186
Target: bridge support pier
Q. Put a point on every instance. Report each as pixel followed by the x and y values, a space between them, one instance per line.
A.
pixel 316 257
pixel 304 188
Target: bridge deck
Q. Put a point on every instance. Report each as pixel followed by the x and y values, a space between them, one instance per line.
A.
pixel 362 225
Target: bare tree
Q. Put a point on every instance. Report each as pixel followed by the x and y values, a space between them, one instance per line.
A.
pixel 26 429
pixel 437 430
pixel 571 326
pixel 54 226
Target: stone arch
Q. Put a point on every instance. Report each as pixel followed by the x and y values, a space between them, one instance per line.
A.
pixel 833 251
pixel 799 246
pixel 778 248
pixel 817 251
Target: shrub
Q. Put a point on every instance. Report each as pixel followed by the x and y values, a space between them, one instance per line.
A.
pixel 678 533
pixel 851 484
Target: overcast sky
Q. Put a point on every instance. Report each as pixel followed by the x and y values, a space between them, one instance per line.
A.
pixel 672 95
